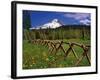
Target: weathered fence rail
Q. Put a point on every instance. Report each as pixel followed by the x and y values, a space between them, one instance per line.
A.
pixel 55 45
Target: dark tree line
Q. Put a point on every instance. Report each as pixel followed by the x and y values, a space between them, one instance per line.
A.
pixel 63 32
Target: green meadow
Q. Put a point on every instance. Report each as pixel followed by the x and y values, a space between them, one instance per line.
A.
pixel 37 56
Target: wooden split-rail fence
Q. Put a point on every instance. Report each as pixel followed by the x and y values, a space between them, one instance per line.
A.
pixel 55 46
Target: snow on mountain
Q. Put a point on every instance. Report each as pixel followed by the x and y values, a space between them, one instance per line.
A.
pixel 55 23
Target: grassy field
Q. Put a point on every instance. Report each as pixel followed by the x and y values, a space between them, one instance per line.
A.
pixel 38 56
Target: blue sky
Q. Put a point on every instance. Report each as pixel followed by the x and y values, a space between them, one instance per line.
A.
pixel 39 18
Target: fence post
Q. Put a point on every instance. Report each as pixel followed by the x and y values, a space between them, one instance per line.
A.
pixel 83 55
pixel 67 52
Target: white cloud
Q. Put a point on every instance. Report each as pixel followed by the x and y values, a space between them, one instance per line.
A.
pixel 85 21
pixel 83 18
pixel 77 16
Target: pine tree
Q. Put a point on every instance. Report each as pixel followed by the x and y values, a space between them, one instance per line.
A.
pixel 26 20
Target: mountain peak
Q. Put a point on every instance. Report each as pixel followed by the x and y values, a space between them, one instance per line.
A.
pixel 53 24
pixel 55 20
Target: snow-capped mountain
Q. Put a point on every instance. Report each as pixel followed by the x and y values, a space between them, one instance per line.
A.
pixel 55 23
